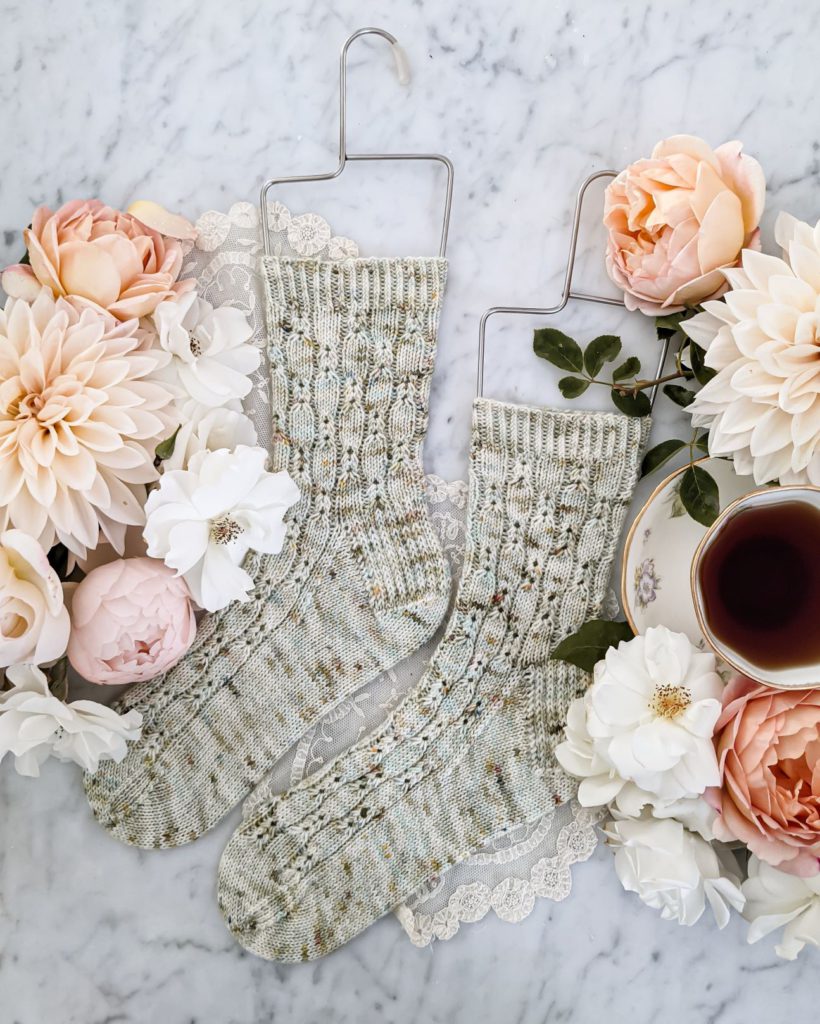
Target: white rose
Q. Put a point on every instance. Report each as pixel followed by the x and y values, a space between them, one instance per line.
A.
pixel 207 432
pixel 34 623
pixel 648 720
pixel 203 520
pixel 34 725
pixel 673 870
pixel 211 357
pixel 775 900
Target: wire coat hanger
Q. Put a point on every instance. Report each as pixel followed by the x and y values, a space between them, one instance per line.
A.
pixel 403 72
pixel 567 293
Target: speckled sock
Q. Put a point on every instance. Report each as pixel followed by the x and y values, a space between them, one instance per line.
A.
pixel 469 751
pixel 361 581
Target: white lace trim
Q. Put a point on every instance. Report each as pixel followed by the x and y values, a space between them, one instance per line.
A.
pixel 225 259
pixel 512 898
pixel 302 234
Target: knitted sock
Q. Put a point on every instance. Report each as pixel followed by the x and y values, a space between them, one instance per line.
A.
pixel 469 751
pixel 361 581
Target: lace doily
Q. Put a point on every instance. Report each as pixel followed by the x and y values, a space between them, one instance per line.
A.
pixel 226 259
pixel 510 873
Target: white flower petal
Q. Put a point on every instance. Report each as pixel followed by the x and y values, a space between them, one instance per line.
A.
pixel 202 520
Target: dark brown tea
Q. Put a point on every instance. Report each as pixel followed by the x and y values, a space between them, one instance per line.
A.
pixel 760 582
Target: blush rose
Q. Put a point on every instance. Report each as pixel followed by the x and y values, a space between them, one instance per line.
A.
pixel 675 220
pixel 93 254
pixel 768 747
pixel 131 620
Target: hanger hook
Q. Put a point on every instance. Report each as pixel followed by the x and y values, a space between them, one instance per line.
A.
pixel 402 71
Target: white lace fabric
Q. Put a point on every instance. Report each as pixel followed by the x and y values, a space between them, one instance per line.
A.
pixel 511 872
pixel 506 877
pixel 226 260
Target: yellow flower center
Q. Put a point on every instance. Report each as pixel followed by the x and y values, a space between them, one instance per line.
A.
pixel 670 701
pixel 224 530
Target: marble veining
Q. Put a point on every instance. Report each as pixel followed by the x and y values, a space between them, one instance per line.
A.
pixel 194 105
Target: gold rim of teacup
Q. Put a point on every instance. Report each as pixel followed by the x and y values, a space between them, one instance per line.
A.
pixel 722 516
pixel 630 534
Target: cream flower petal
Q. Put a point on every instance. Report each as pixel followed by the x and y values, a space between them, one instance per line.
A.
pixel 775 328
pixel 66 379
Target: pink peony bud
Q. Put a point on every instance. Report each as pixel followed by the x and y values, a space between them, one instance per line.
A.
pixel 130 620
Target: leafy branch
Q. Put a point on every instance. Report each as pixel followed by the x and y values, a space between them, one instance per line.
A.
pixel 698 490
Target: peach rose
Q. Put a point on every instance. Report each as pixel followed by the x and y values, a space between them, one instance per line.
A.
pixel 130 620
pixel 768 747
pixel 97 256
pixel 677 219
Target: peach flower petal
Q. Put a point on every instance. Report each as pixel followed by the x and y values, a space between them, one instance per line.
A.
pixel 157 217
pixel 768 745
pixel 679 219
pixel 93 254
pixel 19 282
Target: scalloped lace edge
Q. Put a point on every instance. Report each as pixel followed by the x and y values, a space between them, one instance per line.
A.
pixel 513 898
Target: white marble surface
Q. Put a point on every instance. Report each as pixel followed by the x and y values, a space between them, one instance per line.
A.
pixel 194 104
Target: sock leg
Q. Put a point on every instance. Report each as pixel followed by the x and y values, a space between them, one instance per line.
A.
pixel 362 582
pixel 466 753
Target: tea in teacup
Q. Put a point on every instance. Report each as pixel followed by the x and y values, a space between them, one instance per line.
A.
pixel 756 584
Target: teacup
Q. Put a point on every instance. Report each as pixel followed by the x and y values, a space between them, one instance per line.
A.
pixel 756 585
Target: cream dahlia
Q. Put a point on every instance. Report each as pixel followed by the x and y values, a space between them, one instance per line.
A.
pixel 763 339
pixel 79 420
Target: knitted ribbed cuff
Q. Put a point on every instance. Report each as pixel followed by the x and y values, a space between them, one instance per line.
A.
pixel 525 432
pixel 359 284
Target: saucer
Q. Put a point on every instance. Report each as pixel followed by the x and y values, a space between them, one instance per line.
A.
pixel 660 546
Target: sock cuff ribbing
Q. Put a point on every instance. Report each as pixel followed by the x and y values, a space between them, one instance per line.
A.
pixel 361 285
pixel 534 433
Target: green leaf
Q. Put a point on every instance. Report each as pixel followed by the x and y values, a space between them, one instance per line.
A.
pixel 572 387
pixel 702 442
pixel 697 357
pixel 25 260
pixel 58 560
pixel 57 676
pixel 660 455
pixel 603 349
pixel 668 325
pixel 700 496
pixel 165 449
pixel 631 405
pixel 559 349
pixel 630 368
pixel 680 396
pixel 586 647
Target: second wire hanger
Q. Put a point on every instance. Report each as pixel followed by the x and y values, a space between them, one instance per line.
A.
pixel 567 294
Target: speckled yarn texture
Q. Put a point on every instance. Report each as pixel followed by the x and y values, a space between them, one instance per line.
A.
pixel 469 752
pixel 361 581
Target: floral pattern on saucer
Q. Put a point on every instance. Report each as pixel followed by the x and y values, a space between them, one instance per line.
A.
pixel 646 582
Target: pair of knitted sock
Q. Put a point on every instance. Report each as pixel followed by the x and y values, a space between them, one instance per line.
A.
pixel 360 584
